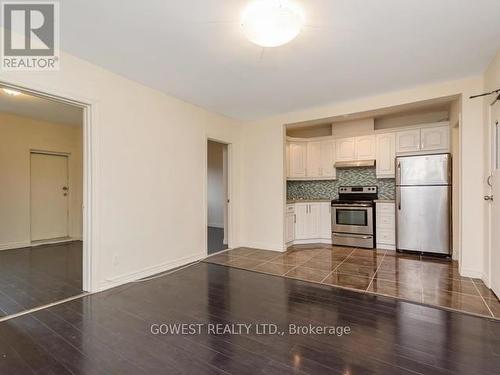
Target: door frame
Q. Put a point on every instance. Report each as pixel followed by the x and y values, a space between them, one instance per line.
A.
pixel 90 160
pixel 230 190
pixel 492 160
pixel 67 155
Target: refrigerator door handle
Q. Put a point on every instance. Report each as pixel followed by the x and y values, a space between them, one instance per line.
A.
pixel 398 172
pixel 398 197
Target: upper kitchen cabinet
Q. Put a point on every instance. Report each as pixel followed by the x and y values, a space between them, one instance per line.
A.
pixel 386 154
pixel 298 159
pixel 425 140
pixel 311 159
pixel 365 147
pixel 346 149
pixel 328 159
pixel 408 141
pixel 355 148
pixel 435 139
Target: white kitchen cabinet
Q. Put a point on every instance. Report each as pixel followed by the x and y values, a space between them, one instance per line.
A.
pixel 385 155
pixel 326 220
pixel 302 221
pixel 365 147
pixel 425 140
pixel 312 223
pixel 298 159
pixel 408 141
pixel 386 225
pixel 435 139
pixel 355 148
pixel 290 223
pixel 345 149
pixel 314 220
pixel 327 168
pixel 313 159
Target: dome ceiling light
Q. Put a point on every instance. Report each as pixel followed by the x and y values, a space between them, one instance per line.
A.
pixel 272 23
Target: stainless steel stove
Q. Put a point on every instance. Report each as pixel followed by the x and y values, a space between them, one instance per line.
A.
pixel 353 216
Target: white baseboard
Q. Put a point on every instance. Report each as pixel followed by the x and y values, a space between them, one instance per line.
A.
pixel 14 245
pixel 148 271
pixel 383 246
pixel 471 273
pixel 313 241
pixel 19 245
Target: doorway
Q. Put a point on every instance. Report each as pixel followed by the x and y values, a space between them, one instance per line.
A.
pixel 217 197
pixel 494 198
pixel 42 247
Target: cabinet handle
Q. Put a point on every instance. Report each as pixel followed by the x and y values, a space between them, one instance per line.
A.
pixel 294 218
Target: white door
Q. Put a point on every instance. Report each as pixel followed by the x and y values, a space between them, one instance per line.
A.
pixel 49 196
pixel 365 147
pixel 495 207
pixel 386 154
pixel 408 141
pixel 298 159
pixel 302 221
pixel 328 159
pixel 313 159
pixel 345 149
pixel 435 139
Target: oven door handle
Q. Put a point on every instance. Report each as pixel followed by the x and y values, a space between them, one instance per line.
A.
pixel 352 236
pixel 352 205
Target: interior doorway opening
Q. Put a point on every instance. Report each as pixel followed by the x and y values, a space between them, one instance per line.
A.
pixel 217 196
pixel 41 200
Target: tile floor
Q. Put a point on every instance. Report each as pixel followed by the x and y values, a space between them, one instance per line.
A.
pixel 421 279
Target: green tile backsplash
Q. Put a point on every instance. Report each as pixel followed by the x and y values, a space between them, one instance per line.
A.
pixel 345 177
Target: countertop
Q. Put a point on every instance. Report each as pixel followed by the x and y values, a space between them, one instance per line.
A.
pixel 384 201
pixel 292 201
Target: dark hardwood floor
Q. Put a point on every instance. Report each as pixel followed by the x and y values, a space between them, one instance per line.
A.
pixel 109 332
pixel 35 276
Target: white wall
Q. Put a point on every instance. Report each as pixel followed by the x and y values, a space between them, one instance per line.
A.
pixel 263 191
pixel 491 82
pixel 19 135
pixel 149 158
pixel 215 187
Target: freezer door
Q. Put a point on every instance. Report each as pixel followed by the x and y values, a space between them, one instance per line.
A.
pixel 423 218
pixel 423 170
pixel 435 216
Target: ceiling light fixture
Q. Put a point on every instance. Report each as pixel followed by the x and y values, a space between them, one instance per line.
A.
pixel 272 23
pixel 12 92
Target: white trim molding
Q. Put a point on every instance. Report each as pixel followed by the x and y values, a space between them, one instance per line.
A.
pixel 149 271
pixel 14 245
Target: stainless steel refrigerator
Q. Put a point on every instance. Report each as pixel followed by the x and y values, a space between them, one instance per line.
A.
pixel 423 203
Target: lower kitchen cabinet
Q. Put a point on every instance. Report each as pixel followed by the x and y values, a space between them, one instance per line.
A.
pixel 386 225
pixel 290 223
pixel 312 223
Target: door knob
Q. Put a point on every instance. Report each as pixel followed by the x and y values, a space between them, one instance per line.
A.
pixel 65 188
pixel 488 197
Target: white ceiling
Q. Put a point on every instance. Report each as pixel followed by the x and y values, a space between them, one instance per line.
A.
pixel 195 50
pixel 41 109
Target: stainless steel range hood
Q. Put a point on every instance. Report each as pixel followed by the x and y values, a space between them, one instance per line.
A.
pixel 355 164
